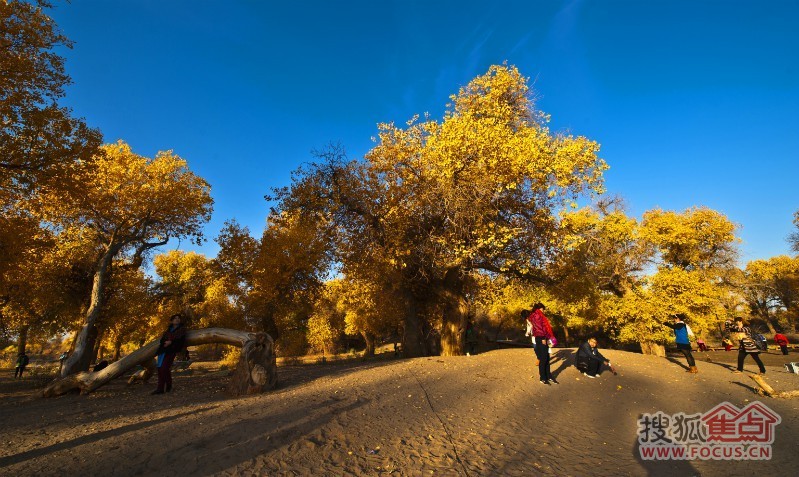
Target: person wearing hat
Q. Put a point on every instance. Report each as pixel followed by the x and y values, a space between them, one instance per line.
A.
pixel 681 332
pixel 746 346
pixel 543 336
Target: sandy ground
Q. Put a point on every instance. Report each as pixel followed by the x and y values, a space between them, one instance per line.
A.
pixel 481 415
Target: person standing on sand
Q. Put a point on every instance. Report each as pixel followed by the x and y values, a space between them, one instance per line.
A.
pixel 746 346
pixel 471 339
pixel 782 342
pixel 543 336
pixel 681 338
pixel 22 361
pixel 589 359
pixel 171 343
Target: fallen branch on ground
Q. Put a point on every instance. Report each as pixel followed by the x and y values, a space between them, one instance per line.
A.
pixel 767 390
pixel 255 372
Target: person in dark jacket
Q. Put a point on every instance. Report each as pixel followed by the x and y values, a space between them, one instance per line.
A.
pixel 471 339
pixel 22 362
pixel 682 340
pixel 589 360
pixel 543 336
pixel 172 342
pixel 746 346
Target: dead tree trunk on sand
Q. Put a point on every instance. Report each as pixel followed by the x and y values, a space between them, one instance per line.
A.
pixel 255 372
pixel 767 390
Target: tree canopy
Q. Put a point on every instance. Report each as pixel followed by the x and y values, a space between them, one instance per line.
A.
pixel 471 216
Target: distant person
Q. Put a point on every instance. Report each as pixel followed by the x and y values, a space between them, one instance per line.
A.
pixel 727 344
pixel 682 340
pixel 701 344
pixel 61 360
pixel 746 346
pixel 22 362
pixel 172 342
pixel 589 360
pixel 471 339
pixel 782 342
pixel 543 335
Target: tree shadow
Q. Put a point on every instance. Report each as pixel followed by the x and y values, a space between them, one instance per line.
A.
pixel 225 448
pixel 293 375
pixel 723 365
pixel 665 468
pixel 87 439
pixel 749 388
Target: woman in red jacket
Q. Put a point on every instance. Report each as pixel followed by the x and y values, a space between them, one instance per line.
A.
pixel 782 342
pixel 542 332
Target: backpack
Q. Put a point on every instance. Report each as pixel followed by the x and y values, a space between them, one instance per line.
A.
pixel 760 342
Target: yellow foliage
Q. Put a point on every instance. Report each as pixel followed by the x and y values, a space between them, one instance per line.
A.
pixel 696 238
pixel 127 198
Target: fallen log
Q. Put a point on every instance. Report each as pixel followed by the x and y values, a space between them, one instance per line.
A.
pixel 767 390
pixel 256 370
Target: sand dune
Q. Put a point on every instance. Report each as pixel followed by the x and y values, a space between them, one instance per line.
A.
pixel 482 415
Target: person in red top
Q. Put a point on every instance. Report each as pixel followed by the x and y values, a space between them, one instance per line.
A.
pixel 542 332
pixel 782 342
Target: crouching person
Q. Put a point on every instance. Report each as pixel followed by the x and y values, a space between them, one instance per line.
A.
pixel 589 360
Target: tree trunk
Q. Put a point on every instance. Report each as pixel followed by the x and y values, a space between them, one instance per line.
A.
pixel 770 326
pixel 257 347
pixel 269 326
pixel 117 348
pixel 256 370
pixel 453 327
pixel 97 350
pixel 80 358
pixel 566 339
pixel 413 345
pixel 653 348
pixel 22 340
pixel 144 375
pixel 370 343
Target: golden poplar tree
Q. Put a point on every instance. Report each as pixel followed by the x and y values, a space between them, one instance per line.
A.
pixel 128 204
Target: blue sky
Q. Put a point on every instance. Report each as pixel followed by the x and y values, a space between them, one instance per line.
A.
pixel 694 103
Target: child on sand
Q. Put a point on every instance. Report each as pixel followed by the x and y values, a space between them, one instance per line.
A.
pixel 681 338
pixel 543 335
pixel 746 346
